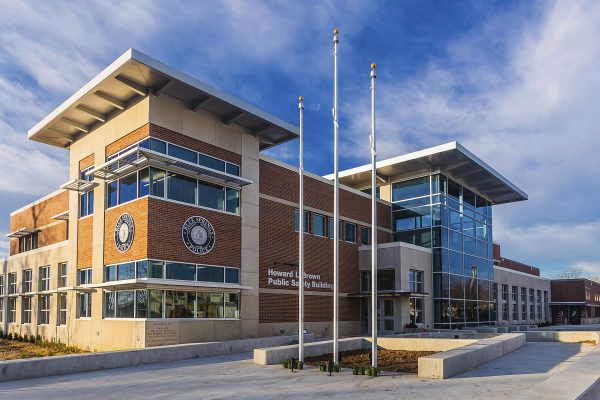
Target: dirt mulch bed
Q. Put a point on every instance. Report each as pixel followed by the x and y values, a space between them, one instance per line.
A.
pixel 14 350
pixel 387 360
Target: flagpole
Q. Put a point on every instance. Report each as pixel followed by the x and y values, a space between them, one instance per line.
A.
pixel 336 201
pixel 373 225
pixel 301 234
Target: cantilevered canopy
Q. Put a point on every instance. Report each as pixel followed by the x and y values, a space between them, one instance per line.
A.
pixel 22 233
pixel 135 75
pixel 139 157
pixel 452 159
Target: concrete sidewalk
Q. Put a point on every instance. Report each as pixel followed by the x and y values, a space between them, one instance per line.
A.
pixel 225 377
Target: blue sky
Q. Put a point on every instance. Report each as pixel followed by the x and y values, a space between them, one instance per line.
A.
pixel 516 82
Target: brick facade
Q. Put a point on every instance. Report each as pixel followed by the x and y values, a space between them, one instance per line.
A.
pixel 138 209
pixel 284 308
pixel 85 235
pixel 40 216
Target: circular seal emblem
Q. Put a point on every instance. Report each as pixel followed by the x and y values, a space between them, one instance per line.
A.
pixel 198 235
pixel 124 232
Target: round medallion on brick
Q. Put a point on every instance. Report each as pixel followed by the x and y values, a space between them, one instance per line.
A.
pixel 198 235
pixel 124 232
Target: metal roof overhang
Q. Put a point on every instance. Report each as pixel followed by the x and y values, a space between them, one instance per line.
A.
pixel 22 233
pixel 79 185
pixel 134 76
pixel 451 159
pixel 139 157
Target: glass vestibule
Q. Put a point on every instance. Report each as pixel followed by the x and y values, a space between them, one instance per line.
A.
pixel 438 213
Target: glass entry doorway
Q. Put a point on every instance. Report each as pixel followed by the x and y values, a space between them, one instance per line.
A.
pixel 385 316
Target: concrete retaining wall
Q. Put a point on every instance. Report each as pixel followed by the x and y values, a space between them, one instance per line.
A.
pixel 562 336
pixel 422 344
pixel 449 363
pixel 46 366
pixel 579 382
pixel 274 355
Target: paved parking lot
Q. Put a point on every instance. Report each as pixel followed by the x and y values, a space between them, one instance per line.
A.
pixel 226 377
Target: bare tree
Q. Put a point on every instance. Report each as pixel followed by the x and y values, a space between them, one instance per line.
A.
pixel 571 273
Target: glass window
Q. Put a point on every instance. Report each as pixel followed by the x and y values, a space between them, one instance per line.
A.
pixel 207 273
pixel 85 305
pixel 62 274
pixel 386 279
pixel 27 281
pixel 233 169
pixel 232 275
pixel 420 237
pixel 416 310
pixel 44 310
pixel 62 309
pixel 127 188
pixel 181 271
pixel 233 200
pixel 85 276
pixel 454 190
pixel 44 282
pixel 144 182
pixel 1 285
pixel 319 224
pixel 11 305
pixel 413 218
pixel 365 235
pixel 183 154
pixel 181 188
pixel 232 305
pixel 297 221
pixel 155 269
pixel 155 303
pixel 125 304
pixel 12 283
pixel 110 273
pixel 455 259
pixel 456 241
pixel 109 304
pixel 126 271
pixel 157 182
pixel 350 232
pixel 214 305
pixel 415 281
pixel 410 189
pixel 468 198
pixel 141 269
pixel 111 194
pixel 211 162
pixel 211 195
pixel 141 304
pixel 26 312
pixel 158 145
pixel 179 304
pixel 457 289
pixel 340 228
pixel 469 243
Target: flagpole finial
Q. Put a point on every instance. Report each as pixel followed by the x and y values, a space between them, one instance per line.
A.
pixel 301 102
pixel 373 66
pixel 300 98
pixel 336 31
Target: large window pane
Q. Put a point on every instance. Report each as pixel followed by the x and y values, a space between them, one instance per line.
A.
pixel 142 269
pixel 232 275
pixel 157 182
pixel 181 188
pixel 386 279
pixel 126 271
pixel 319 224
pixel 125 304
pixel 232 169
pixel 155 269
pixel 414 218
pixel 409 189
pixel 109 304
pixel 306 221
pixel 144 182
pixel 350 232
pixel 127 188
pixel 214 305
pixel 233 200
pixel 232 305
pixel 211 162
pixel 155 303
pixel 210 195
pixel 184 154
pixel 111 194
pixel 208 273
pixel 158 145
pixel 185 272
pixel 141 304
pixel 179 304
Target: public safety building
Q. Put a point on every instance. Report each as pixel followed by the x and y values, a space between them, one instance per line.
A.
pixel 172 227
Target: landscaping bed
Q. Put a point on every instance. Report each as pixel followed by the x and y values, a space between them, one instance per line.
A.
pixel 387 360
pixel 14 349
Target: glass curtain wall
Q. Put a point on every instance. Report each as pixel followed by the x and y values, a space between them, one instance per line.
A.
pixel 436 212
